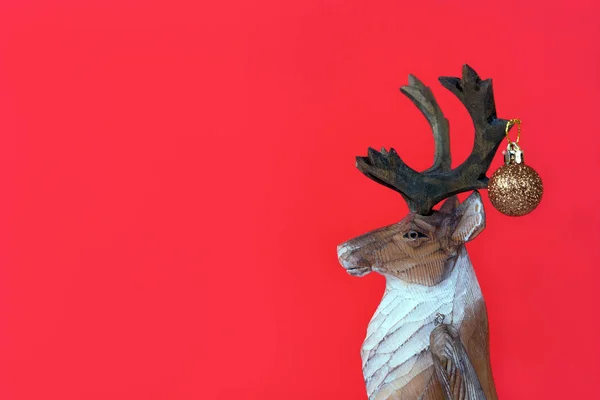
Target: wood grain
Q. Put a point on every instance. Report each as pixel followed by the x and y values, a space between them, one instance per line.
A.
pixel 428 339
pixel 428 275
pixel 423 190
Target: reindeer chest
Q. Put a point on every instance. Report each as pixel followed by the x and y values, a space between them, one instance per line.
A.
pixel 395 349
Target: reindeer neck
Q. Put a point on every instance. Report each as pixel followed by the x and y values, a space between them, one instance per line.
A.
pixel 399 287
pixel 398 333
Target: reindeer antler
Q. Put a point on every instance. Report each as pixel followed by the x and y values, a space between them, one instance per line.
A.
pixel 423 190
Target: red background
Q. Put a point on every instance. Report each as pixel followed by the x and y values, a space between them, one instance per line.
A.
pixel 176 177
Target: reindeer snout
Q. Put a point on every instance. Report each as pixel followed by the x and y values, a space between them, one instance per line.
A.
pixel 352 261
pixel 341 250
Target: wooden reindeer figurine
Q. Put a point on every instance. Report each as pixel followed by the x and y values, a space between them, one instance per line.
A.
pixel 428 338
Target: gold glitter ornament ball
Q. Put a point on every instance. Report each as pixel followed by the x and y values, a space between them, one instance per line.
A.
pixel 515 189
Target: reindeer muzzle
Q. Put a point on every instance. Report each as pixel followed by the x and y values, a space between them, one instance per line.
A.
pixel 352 261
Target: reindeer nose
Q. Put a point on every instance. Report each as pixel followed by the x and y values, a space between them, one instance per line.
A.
pixel 341 250
pixel 354 263
pixel 346 256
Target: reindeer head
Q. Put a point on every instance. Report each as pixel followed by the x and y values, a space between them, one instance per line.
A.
pixel 423 246
pixel 419 249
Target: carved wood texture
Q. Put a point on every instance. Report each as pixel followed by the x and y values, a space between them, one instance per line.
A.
pixel 428 275
pixel 428 338
pixel 423 190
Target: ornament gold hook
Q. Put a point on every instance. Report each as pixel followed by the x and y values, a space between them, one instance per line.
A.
pixel 509 125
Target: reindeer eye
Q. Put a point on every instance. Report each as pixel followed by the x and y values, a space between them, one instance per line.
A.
pixel 413 235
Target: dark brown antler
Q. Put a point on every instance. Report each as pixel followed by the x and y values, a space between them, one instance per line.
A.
pixel 423 190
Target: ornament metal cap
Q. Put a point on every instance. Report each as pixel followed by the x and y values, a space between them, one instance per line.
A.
pixel 513 154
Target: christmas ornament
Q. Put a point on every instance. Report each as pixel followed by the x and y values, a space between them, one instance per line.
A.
pixel 515 189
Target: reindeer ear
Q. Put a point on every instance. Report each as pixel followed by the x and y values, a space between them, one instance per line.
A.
pixel 450 205
pixel 470 219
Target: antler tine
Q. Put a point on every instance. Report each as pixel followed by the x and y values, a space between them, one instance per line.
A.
pixel 478 98
pixel 388 169
pixel 423 98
